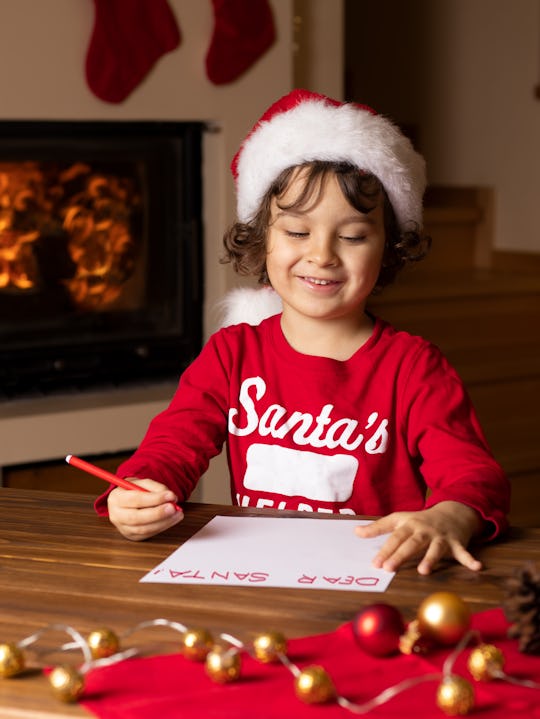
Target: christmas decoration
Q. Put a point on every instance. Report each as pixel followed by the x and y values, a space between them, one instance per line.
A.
pixel 268 646
pixel 444 618
pixel 223 664
pixel 412 641
pixel 11 660
pixel 128 38
pixel 485 662
pixel 197 644
pixel 455 695
pixel 243 31
pixel 522 608
pixel 378 628
pixel 103 643
pixel 304 125
pixel 67 683
pixel 313 686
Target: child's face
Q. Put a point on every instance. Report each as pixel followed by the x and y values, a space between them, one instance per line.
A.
pixel 324 258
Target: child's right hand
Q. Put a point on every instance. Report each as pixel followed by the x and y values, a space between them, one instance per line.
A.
pixel 139 515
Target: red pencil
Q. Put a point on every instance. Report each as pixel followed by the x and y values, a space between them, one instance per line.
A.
pixel 103 474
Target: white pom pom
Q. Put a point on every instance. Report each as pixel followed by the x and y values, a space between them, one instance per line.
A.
pixel 246 304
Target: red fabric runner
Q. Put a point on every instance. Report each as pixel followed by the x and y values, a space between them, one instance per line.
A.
pixel 172 687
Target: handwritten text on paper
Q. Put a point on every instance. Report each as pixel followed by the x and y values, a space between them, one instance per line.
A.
pixel 276 552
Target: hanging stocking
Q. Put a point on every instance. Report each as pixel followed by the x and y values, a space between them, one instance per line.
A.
pixel 128 38
pixel 243 31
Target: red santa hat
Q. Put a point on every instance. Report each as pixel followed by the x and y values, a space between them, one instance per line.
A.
pixel 304 126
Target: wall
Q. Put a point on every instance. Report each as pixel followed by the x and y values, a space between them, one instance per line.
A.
pixel 42 56
pixel 463 73
pixel 488 63
pixel 319 46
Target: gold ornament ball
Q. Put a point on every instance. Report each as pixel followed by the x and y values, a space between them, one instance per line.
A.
pixel 455 696
pixel 103 643
pixel 314 686
pixel 11 660
pixel 223 664
pixel 268 646
pixel 197 643
pixel 443 617
pixel 485 662
pixel 67 683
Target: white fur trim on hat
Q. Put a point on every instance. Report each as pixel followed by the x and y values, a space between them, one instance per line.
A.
pixel 246 304
pixel 304 126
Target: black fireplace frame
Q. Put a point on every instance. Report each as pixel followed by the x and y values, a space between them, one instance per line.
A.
pixel 78 351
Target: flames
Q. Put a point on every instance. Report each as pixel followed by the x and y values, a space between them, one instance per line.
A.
pixel 92 211
pixel 18 266
pixel 100 243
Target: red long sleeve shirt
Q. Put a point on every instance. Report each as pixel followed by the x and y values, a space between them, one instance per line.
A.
pixel 369 435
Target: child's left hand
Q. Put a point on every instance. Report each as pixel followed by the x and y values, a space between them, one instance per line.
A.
pixel 443 530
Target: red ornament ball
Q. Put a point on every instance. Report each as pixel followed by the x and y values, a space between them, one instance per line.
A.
pixel 377 629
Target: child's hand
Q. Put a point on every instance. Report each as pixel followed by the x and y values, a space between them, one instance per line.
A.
pixel 139 515
pixel 443 530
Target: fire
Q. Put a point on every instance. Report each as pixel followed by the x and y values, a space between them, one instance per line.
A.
pixel 18 266
pixel 100 242
pixel 93 211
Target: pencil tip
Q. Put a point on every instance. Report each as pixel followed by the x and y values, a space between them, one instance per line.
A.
pixel 68 458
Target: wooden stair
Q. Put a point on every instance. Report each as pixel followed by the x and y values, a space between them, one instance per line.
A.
pixel 482 308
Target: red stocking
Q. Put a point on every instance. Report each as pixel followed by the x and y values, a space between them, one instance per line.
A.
pixel 128 38
pixel 243 31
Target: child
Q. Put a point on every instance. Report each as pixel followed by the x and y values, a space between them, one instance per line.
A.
pixel 322 406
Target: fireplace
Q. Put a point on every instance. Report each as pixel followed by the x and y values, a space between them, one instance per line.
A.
pixel 100 253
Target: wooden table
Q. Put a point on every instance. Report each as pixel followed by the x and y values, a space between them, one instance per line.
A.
pixel 60 563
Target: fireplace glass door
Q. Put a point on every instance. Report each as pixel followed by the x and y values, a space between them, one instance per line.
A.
pixel 100 253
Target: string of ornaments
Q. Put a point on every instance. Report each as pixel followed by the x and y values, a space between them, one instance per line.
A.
pixel 442 621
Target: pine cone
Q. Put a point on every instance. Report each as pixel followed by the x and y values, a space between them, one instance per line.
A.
pixel 522 608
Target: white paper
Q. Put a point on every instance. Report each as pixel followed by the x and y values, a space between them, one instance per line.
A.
pixel 308 553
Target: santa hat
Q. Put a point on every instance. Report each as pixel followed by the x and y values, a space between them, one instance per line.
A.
pixel 304 126
pixel 248 304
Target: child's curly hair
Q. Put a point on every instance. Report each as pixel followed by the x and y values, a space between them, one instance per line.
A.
pixel 245 243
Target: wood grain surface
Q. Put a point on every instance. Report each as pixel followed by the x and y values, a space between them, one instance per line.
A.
pixel 60 563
